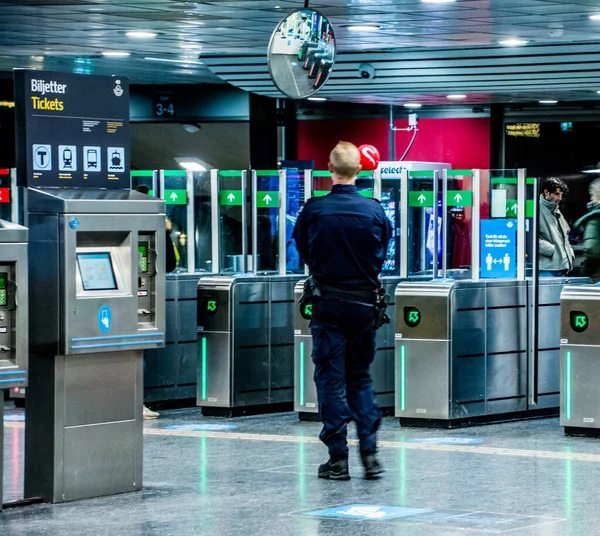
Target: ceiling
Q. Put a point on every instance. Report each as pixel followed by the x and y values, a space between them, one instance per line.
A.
pixel 423 51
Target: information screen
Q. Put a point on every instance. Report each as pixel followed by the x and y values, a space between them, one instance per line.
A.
pixel 96 271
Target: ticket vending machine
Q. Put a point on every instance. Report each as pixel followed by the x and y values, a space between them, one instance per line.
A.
pixel 98 286
pixel 14 352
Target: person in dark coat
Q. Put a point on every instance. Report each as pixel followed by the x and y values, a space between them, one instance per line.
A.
pixel 591 235
pixel 343 237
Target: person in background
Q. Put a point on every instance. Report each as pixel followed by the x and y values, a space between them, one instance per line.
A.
pixel 170 265
pixel 556 255
pixel 343 237
pixel 591 235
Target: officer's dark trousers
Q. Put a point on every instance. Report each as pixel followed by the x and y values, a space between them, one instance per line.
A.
pixel 343 350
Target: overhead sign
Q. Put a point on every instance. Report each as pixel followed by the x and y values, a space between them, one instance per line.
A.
pixel 420 199
pixel 175 197
pixel 267 199
pixel 231 197
pixel 459 198
pixel 498 248
pixel 72 130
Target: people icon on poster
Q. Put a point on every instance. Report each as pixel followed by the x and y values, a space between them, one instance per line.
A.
pixel 489 260
pixel 506 262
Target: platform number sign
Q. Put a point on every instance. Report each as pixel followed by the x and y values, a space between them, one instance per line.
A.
pixel 412 317
pixel 579 321
pixel 164 106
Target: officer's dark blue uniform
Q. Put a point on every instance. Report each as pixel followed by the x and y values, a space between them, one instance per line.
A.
pixel 343 237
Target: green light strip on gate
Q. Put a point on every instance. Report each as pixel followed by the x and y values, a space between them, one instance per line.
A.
pixel 302 373
pixel 204 368
pixel 568 393
pixel 402 378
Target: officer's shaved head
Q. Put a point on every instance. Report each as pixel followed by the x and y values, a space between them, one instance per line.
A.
pixel 345 160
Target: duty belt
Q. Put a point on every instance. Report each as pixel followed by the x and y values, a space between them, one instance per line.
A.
pixel 363 297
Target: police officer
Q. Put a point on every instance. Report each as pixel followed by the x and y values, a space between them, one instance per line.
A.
pixel 343 237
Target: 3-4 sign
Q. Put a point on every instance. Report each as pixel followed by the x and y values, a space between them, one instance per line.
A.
pixel 4 195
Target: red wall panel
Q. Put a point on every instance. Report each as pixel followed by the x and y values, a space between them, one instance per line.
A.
pixel 464 143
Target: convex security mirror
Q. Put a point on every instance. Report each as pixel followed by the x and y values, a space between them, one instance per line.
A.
pixel 301 53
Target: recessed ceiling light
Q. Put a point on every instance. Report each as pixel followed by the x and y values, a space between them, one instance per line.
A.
pixel 456 97
pixel 169 60
pixel 412 105
pixel 196 22
pixel 277 7
pixel 595 17
pixel 548 101
pixel 116 54
pixel 317 98
pixel 363 28
pixel 513 42
pixel 140 34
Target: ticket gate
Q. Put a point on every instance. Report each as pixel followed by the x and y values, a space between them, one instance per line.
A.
pixel 14 351
pixel 579 360
pixel 245 343
pixel 382 370
pixel 464 354
pixel 97 265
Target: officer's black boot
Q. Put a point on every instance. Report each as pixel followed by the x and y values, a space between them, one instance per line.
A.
pixel 336 468
pixel 373 469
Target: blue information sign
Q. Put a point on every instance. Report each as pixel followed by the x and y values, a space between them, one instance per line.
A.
pixel 370 512
pixel 499 248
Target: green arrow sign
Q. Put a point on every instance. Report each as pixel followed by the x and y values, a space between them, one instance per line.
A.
pixel 211 305
pixel 366 193
pixel 459 198
pixel 231 197
pixel 320 193
pixel 412 317
pixel 512 208
pixel 579 321
pixel 176 197
pixel 267 199
pixel 529 208
pixel 420 199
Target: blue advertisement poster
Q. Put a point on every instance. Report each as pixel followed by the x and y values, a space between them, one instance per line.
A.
pixel 498 249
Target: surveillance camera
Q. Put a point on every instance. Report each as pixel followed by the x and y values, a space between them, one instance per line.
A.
pixel 555 29
pixel 366 71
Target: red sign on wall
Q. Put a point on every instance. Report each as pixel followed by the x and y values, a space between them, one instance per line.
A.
pixel 4 195
pixel 4 171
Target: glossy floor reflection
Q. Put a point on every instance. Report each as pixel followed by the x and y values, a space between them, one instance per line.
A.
pixel 256 476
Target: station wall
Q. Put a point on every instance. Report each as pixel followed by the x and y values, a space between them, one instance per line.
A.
pixel 462 142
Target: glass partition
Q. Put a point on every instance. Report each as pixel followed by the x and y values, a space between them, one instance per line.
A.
pixel 232 225
pixel 202 221
pixel 173 189
pixel 266 199
pixel 458 224
pixel 424 223
pixel 147 177
pixel 294 200
pixel 390 201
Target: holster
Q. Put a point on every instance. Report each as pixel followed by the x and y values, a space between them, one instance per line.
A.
pixel 381 316
pixel 311 291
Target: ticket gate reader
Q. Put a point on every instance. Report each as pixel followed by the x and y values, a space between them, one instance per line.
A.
pixel 580 360
pixel 382 370
pixel 14 342
pixel 245 343
pixel 97 280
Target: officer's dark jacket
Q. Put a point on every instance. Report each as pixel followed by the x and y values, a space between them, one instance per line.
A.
pixel 343 237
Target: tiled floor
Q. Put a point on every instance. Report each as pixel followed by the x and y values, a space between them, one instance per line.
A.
pixel 257 476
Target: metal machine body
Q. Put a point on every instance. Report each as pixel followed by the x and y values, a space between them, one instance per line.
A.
pixel 97 264
pixel 14 315
pixel 579 360
pixel 470 358
pixel 245 343
pixel 382 370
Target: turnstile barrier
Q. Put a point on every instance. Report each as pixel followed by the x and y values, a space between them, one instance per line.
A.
pixel 580 360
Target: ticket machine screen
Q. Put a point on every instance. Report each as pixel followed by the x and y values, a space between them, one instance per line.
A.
pixel 96 271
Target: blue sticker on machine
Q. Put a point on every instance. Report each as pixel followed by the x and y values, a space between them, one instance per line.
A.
pixel 105 319
pixel 367 512
pixel 446 440
pixel 201 427
pixel 499 248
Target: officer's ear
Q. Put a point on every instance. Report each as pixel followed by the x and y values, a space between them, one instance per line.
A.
pixel 359 168
pixel 329 167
